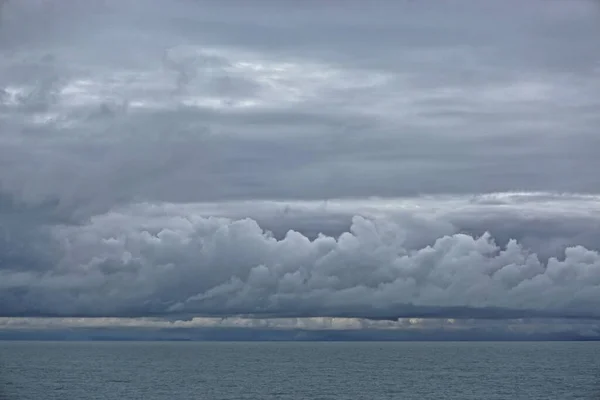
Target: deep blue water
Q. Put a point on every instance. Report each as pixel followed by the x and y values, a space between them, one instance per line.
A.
pixel 299 370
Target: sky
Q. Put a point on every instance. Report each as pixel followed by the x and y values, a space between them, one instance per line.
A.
pixel 415 166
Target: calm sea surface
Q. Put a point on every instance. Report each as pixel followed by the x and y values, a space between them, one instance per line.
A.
pixel 292 370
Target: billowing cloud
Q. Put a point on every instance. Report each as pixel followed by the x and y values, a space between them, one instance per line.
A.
pixel 166 259
pixel 212 160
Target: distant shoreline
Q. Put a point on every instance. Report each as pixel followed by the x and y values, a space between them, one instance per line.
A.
pixel 422 340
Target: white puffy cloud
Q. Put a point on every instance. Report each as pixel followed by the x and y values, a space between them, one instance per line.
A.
pixel 160 260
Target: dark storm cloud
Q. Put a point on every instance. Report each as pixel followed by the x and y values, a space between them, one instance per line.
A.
pixel 154 157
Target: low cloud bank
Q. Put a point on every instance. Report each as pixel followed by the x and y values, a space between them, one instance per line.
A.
pixel 151 260
pixel 322 328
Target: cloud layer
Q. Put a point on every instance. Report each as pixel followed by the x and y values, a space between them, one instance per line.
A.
pixel 208 159
pixel 161 260
pixel 104 105
pixel 236 328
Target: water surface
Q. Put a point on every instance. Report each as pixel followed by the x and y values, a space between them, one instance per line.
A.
pixel 299 370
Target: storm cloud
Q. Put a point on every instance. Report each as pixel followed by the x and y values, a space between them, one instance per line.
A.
pixel 406 159
pixel 152 259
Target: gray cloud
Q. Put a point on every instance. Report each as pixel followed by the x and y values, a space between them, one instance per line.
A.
pixel 392 262
pixel 444 100
pixel 146 151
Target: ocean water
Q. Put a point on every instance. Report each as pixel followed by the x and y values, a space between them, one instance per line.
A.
pixel 299 370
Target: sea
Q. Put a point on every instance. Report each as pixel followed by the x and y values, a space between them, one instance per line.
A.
pixel 299 370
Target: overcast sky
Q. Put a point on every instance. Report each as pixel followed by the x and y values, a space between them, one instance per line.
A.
pixel 283 159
